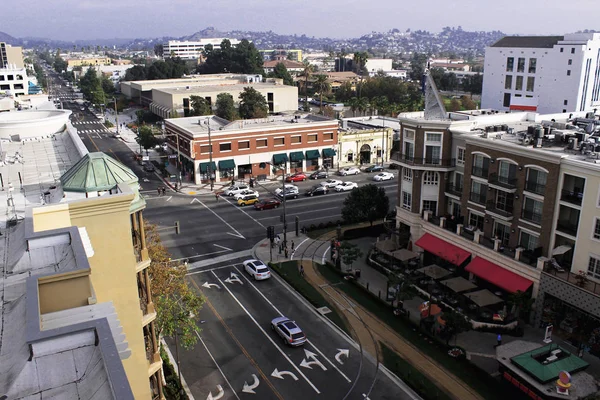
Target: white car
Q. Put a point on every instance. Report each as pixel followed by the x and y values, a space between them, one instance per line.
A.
pixel 257 270
pixel 235 189
pixel 288 188
pixel 246 192
pixel 346 186
pixel 331 183
pixel 383 176
pixel 349 171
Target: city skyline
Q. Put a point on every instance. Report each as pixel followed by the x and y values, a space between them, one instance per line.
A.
pixel 334 19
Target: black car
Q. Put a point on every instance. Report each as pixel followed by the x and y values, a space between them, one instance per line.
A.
pixel 317 190
pixel 289 194
pixel 319 175
pixel 374 168
pixel 394 166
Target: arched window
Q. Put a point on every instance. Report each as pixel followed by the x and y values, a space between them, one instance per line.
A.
pixel 431 178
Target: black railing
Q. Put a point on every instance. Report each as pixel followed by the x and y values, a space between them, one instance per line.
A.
pixel 567 227
pixel 427 161
pixel 500 208
pixel 480 172
pixel 486 242
pixel 455 189
pixel 572 197
pixel 535 187
pixel 530 215
pixel 504 181
pixel 576 279
pixel 477 197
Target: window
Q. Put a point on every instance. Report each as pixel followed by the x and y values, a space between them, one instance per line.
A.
pixel 407 174
pixel 536 181
pixel 506 101
pixel 279 141
pixel 11 77
pixel 532 65
pixel 565 103
pixel 530 83
pixel 480 165
pixel 570 62
pixel 406 200
pixel 568 72
pixel 476 220
pixel 328 136
pixel 261 143
pixel 461 155
pixel 478 192
pixel 519 83
pixel 433 155
pixel 508 82
pixel 504 201
pixel 510 63
pixel 430 205
pixel 224 146
pixel 245 145
pixel 296 139
pixel 594 267
pixel 521 64
pixel 431 178
pixel 434 137
pixel 312 138
pixel 596 232
pixel 409 134
pixel 409 151
pixel 204 149
pixel 528 240
pixel 350 156
pixel 532 210
pixel 502 232
pixel 572 50
pixel 562 49
pixel 507 172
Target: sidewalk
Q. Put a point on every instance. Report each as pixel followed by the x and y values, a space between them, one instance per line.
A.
pixel 358 317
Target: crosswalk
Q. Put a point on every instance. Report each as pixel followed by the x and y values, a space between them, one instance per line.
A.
pixel 93 131
pixel 85 122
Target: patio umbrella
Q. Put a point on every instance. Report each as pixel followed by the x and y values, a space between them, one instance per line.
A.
pixel 561 250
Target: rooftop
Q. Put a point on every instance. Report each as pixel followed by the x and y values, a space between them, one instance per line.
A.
pixel 373 122
pixel 540 42
pixel 222 87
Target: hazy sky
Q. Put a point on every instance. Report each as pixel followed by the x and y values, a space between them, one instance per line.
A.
pixel 91 19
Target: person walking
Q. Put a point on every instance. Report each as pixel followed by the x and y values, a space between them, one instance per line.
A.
pixel 499 340
pixel 158 190
pixel 286 252
pixel 302 270
pixel 164 190
pixel 217 196
pixel 293 245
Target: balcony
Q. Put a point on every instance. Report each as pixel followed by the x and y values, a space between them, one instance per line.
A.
pixel 480 172
pixel 576 279
pixel 478 198
pixel 503 182
pixel 567 227
pixel 454 189
pixel 531 216
pixel 535 187
pixel 504 210
pixel 572 197
pixel 425 161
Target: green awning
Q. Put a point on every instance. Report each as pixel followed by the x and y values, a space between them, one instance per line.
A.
pixel 226 164
pixel 329 153
pixel 296 156
pixel 312 154
pixel 280 158
pixel 204 167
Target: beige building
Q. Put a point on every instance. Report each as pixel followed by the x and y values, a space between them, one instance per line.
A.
pixel 91 61
pixel 11 56
pixel 360 142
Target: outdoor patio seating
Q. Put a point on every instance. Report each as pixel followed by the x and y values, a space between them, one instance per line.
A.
pixel 458 284
pixel 434 271
pixel 483 298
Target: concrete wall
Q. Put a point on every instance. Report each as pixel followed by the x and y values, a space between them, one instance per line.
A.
pixel 31 124
pixel 59 293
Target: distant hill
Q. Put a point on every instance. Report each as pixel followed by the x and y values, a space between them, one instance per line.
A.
pixel 5 37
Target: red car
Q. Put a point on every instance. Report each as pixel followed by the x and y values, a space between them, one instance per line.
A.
pixel 266 204
pixel 298 176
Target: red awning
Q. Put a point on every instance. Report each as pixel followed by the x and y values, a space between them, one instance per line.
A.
pixel 497 275
pixel 518 107
pixel 443 249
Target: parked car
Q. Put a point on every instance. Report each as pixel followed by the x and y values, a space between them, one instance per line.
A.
pixel 394 166
pixel 319 175
pixel 346 186
pixel 383 176
pixel 288 194
pixel 148 167
pixel 247 200
pixel 245 193
pixel 235 189
pixel 317 190
pixel 289 331
pixel 331 183
pixel 287 188
pixel 297 177
pixel 349 171
pixel 267 204
pixel 257 270
pixel 374 168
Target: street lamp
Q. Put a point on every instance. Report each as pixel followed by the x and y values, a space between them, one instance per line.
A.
pixel 178 163
pixel 284 169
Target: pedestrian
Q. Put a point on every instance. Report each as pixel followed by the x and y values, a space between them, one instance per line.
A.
pixel 217 196
pixel 158 190
pixel 286 252
pixel 293 245
pixel 164 190
pixel 301 270
pixel 499 339
pixel 232 181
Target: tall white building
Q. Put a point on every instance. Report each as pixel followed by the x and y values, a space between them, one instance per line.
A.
pixel 547 74
pixel 187 50
pixel 13 81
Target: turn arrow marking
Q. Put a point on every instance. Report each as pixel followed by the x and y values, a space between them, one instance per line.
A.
pixel 279 374
pixel 249 388
pixel 209 285
pixel 308 364
pixel 234 278
pixel 219 394
pixel 341 352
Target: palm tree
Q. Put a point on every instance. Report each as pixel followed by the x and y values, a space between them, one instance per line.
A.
pixel 354 105
pixel 342 55
pixel 322 86
pixel 306 72
pixel 363 105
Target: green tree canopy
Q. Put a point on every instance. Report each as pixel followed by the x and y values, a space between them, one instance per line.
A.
pixel 468 103
pixel 349 253
pixel 323 87
pixel 225 107
pixel 91 87
pixel 473 83
pixel 200 106
pixel 146 137
pixel 168 68
pixel 455 323
pixel 252 104
pixel 454 105
pixel 59 64
pixel 417 66
pixel 107 86
pixel 243 58
pixel 280 71
pixel 306 73
pixel 365 203
pixel 158 49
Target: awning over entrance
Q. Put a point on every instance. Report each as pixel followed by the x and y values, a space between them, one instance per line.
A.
pixel 497 275
pixel 296 156
pixel 204 167
pixel 312 154
pixel 443 249
pixel 280 158
pixel 329 153
pixel 227 164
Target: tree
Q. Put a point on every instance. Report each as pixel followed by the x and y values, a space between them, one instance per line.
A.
pixel 417 66
pixel 176 303
pixel 243 58
pixel 108 86
pixel 280 71
pixel 520 301
pixel 146 138
pixel 200 106
pixel 360 61
pixel 344 92
pixel 252 104
pixel 468 103
pixel 455 323
pixel 225 107
pixel 306 73
pixel 322 86
pixel 353 103
pixel 365 203
pixel 473 83
pixel 158 49
pixel 59 64
pixel 454 105
pixel 405 286
pixel 349 253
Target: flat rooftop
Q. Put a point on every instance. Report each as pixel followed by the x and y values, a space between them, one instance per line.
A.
pixel 373 122
pixel 221 87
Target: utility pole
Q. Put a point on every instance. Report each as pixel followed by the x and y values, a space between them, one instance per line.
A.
pixel 210 159
pixel 383 141
pixel 284 196
pixel 116 116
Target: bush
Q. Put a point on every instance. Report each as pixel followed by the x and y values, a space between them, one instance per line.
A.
pixel 365 231
pixel 173 390
pixel 108 124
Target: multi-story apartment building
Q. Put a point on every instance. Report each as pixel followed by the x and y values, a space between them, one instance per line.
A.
pixel 192 50
pixel 296 142
pixel 14 81
pixel 511 200
pixel 11 56
pixel 282 54
pixel 547 74
pixel 92 61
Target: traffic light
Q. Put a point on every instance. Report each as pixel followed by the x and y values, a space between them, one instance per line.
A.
pixel 271 232
pixel 177 230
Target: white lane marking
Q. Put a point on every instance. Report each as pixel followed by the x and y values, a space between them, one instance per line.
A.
pixel 202 255
pixel 244 211
pixel 210 270
pixel 279 374
pixel 250 388
pixel 222 247
pixel 281 314
pixel 294 252
pixel 219 395
pixel 208 285
pixel 341 352
pixel 239 235
pixel 268 336
pixel 325 254
pixel 215 361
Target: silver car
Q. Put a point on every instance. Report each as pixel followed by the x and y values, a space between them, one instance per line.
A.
pixel 289 331
pixel 349 171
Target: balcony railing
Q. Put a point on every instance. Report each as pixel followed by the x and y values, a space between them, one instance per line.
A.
pixel 150 350
pixel 503 181
pixel 572 197
pixel 567 227
pixel 529 215
pixel 480 172
pixel 576 279
pixel 534 187
pixel 477 197
pixel 500 208
pixel 425 161
pixel 455 189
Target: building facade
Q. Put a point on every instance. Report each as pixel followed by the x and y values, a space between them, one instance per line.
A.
pixel 11 56
pixel 14 81
pixel 87 61
pixel 547 74
pixel 363 143
pixel 192 50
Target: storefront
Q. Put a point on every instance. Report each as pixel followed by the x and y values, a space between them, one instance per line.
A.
pixel 296 161
pixel 328 156
pixel 312 160
pixel 226 169
pixel 207 170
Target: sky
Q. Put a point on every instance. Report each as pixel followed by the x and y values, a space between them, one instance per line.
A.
pixel 105 19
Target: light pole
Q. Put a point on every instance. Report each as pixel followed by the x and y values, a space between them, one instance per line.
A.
pixel 210 158
pixel 178 163
pixel 382 141
pixel 284 169
pixel 116 116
